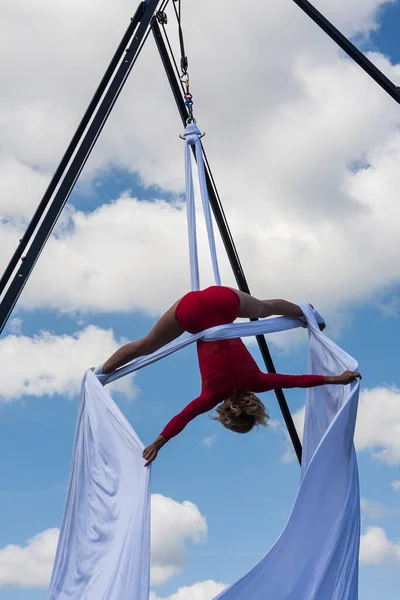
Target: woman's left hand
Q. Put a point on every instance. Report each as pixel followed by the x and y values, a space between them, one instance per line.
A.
pixel 150 453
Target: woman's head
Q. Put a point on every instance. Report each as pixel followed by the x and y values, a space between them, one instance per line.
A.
pixel 241 412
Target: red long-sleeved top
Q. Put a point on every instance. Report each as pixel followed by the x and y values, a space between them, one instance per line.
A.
pixel 226 366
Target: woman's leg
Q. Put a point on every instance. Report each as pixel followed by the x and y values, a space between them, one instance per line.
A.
pixel 252 308
pixel 164 331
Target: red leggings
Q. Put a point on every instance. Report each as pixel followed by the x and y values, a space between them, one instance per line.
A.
pixel 226 365
pixel 200 310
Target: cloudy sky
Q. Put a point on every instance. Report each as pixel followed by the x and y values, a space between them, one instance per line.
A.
pixel 305 149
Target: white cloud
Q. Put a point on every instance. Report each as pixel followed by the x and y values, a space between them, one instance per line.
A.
pixel 298 417
pixel 317 116
pixel 396 486
pixel 173 524
pixel 377 428
pixel 357 15
pixel 203 590
pixel 209 441
pixel 51 364
pixel 117 258
pixel 39 115
pixel 29 565
pixel 378 424
pixel 21 188
pixel 285 342
pixel 15 326
pixel 377 510
pixel 376 549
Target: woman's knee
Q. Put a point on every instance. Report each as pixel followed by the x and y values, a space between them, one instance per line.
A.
pixel 250 307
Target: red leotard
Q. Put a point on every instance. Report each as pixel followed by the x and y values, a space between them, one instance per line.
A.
pixel 226 365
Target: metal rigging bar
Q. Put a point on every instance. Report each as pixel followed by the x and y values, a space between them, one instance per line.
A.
pixel 225 232
pixel 139 29
pixel 350 49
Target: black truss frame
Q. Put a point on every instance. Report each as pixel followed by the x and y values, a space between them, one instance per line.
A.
pixel 60 187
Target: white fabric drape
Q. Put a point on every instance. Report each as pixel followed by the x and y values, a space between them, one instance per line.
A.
pixel 103 550
pixel 192 138
pixel 316 556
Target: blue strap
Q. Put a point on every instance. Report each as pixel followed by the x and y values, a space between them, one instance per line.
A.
pixel 192 138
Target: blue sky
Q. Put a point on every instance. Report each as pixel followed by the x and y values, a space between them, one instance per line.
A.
pixel 385 39
pixel 240 484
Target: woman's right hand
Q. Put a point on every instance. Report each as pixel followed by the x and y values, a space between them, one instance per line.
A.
pixel 343 379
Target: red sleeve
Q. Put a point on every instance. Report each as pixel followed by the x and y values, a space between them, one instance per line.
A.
pixel 197 407
pixel 273 381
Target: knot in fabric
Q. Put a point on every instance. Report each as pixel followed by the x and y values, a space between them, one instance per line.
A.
pixel 192 133
pixel 191 139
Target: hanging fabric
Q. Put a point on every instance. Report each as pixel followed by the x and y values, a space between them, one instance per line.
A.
pixel 316 556
pixel 192 139
pixel 103 549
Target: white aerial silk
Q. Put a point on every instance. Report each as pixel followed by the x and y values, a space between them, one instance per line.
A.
pixel 192 139
pixel 103 549
pixel 104 545
pixel 316 556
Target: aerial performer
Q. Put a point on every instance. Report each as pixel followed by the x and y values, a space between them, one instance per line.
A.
pixel 230 376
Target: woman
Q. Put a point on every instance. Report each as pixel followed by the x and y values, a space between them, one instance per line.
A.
pixel 228 371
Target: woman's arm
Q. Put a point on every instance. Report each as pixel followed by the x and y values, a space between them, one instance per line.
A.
pixel 273 381
pixel 200 405
pixel 343 379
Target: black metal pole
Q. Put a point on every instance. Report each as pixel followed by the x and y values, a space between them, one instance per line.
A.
pixel 142 19
pixel 350 49
pixel 225 232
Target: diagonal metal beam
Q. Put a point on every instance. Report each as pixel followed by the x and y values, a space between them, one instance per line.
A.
pixel 350 49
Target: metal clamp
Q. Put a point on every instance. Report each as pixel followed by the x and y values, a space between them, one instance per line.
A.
pixel 183 137
pixel 162 17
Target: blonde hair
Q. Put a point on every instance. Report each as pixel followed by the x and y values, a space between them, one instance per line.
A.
pixel 241 411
